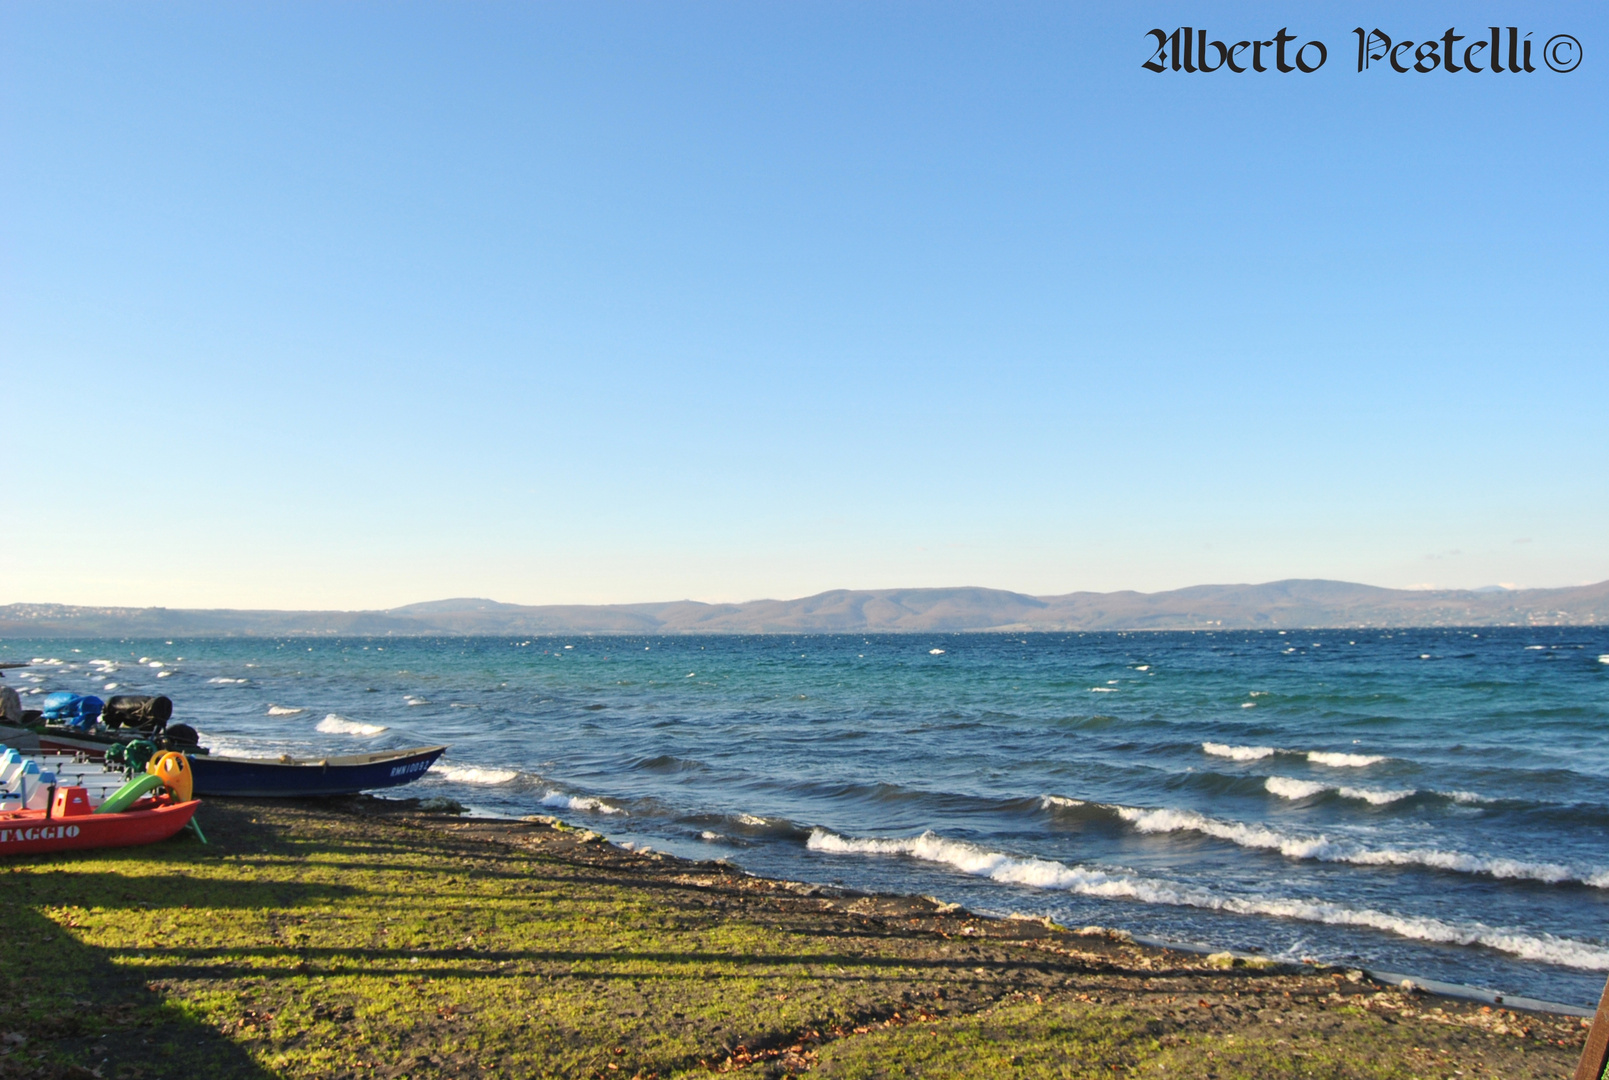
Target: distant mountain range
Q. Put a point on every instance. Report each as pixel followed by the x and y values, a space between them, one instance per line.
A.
pixel 1279 604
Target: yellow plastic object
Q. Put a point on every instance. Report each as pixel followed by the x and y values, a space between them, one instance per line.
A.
pixel 173 769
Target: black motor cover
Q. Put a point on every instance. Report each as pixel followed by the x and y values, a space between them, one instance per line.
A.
pixel 138 711
pixel 181 737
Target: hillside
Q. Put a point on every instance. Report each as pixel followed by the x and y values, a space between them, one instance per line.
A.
pixel 1283 604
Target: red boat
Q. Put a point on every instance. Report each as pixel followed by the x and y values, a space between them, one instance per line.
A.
pixel 70 825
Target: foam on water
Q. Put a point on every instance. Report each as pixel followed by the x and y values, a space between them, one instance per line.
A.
pixel 1090 881
pixel 1466 798
pixel 1238 753
pixel 580 802
pixel 222 681
pixel 284 710
pixel 472 774
pixel 218 747
pixel 1103 689
pixel 1290 788
pixel 1049 801
pixel 1287 788
pixel 1324 849
pixel 412 700
pixel 340 725
pixel 1344 761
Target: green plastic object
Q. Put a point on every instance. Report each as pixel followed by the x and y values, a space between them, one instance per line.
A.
pixel 138 753
pixel 127 795
pixel 114 754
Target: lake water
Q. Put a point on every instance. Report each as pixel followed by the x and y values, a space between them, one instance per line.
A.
pixel 1425 801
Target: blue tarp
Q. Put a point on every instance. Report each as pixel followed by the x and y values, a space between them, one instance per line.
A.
pixel 62 705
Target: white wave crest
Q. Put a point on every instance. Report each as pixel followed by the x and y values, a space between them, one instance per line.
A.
pixel 412 700
pixel 221 681
pixel 218 747
pixel 1324 849
pixel 1103 689
pixel 1466 798
pixel 472 774
pixel 340 725
pixel 1048 801
pixel 1289 788
pixel 284 710
pixel 1089 881
pixel 1344 761
pixel 579 802
pixel 1604 659
pixel 1238 753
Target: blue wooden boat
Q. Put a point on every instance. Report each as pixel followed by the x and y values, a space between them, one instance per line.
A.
pixel 290 777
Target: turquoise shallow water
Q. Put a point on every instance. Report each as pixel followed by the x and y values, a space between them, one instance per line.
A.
pixel 1428 801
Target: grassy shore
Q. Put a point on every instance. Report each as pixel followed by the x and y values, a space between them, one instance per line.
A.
pixel 365 939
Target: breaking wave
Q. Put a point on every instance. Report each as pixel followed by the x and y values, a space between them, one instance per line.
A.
pixel 284 710
pixel 472 774
pixel 1288 788
pixel 340 725
pixel 580 802
pixel 1323 849
pixel 1344 761
pixel 1238 753
pixel 1089 881
pixel 1317 757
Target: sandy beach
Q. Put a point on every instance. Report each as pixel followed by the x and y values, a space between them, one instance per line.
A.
pixel 364 938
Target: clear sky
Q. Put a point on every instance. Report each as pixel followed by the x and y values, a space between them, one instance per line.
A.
pixel 357 304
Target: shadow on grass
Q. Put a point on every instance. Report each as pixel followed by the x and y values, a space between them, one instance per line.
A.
pixel 74 1011
pixel 68 1009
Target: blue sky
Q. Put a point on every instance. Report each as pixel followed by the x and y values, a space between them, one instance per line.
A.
pixel 351 305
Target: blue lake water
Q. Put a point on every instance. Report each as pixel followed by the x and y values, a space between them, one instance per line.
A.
pixel 1425 801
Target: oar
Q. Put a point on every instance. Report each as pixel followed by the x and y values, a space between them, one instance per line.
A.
pixel 1595 1055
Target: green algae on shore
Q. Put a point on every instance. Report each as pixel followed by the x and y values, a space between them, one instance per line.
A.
pixel 365 939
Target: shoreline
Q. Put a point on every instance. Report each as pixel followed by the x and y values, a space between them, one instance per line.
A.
pixel 1391 979
pixel 371 938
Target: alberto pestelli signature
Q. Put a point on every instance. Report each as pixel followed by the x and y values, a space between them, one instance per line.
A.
pixel 1497 49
